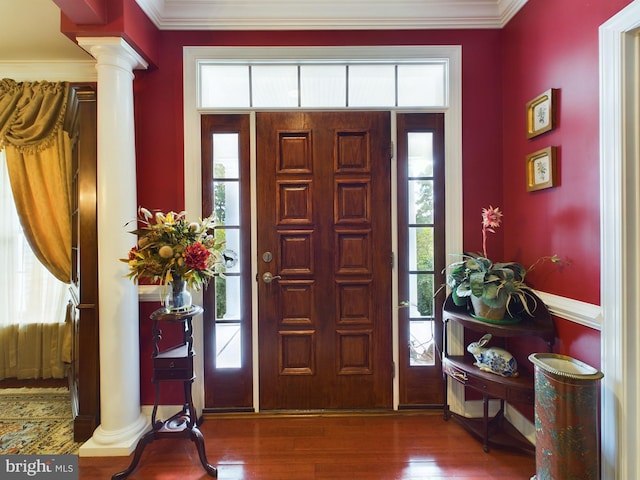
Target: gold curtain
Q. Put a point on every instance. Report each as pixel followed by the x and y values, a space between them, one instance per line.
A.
pixel 38 152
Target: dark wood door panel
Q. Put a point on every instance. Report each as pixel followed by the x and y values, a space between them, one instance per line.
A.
pixel 325 322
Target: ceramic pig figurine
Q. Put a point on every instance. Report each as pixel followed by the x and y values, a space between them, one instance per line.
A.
pixel 495 360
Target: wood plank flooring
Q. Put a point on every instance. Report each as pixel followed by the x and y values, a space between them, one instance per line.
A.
pixel 399 445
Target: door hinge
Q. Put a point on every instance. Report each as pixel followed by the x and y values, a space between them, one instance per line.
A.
pixel 393 365
pixel 391 151
pixel 393 260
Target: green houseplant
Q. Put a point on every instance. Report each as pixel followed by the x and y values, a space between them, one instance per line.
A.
pixel 495 284
pixel 492 287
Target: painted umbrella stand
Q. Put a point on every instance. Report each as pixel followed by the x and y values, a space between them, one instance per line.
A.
pixel 566 418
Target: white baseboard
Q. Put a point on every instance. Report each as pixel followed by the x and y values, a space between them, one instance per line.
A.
pixel 521 423
pixel 475 409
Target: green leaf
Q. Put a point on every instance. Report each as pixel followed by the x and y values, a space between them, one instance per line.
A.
pixel 477 283
pixel 457 300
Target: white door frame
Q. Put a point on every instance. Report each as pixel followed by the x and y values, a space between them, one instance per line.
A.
pixel 620 243
pixel 192 151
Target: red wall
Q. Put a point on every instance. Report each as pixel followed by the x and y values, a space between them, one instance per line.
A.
pixel 548 44
pixel 159 118
pixel 554 44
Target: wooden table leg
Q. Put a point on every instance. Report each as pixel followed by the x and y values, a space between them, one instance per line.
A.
pixel 144 441
pixel 198 439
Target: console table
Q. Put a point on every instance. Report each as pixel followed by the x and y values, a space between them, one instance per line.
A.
pixel 494 431
pixel 173 365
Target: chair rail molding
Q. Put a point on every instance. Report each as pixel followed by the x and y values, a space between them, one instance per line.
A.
pixel 583 313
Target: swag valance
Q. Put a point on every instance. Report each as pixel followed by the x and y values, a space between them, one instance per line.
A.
pixel 38 152
pixel 31 113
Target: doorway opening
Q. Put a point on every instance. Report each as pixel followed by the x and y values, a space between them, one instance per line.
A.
pixel 193 174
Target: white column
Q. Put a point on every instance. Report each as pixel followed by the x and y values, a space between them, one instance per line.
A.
pixel 122 423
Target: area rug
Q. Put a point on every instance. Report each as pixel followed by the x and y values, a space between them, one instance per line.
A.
pixel 36 421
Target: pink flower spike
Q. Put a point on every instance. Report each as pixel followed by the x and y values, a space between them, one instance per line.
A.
pixel 491 217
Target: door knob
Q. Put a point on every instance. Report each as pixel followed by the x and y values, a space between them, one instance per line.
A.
pixel 267 277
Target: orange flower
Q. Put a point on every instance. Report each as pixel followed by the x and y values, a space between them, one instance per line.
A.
pixel 196 256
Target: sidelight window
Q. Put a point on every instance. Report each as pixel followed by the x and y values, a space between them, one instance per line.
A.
pixel 226 187
pixel 227 325
pixel 420 251
pixel 421 255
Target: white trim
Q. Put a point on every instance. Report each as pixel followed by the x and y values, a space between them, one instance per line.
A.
pixel 520 422
pixel 475 409
pixel 328 14
pixel 313 53
pixel 149 293
pixel 582 313
pixel 164 412
pixel 619 243
pixel 193 206
pixel 84 71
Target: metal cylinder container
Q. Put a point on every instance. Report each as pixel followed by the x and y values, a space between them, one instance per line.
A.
pixel 566 418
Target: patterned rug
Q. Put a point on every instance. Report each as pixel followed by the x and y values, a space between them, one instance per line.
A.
pixel 36 421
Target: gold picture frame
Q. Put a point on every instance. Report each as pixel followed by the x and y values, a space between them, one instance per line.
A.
pixel 541 113
pixel 541 169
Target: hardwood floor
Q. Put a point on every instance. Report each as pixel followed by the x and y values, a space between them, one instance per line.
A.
pixel 402 446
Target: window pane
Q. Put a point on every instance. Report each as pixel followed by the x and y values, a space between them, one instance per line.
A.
pixel 420 248
pixel 227 297
pixel 421 85
pixel 421 295
pixel 420 194
pixel 420 151
pixel 227 202
pixel 228 345
pixel 231 239
pixel 323 85
pixel 421 344
pixel 224 86
pixel 225 155
pixel 372 86
pixel 274 85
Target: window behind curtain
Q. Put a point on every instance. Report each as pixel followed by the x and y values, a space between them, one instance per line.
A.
pixel 28 292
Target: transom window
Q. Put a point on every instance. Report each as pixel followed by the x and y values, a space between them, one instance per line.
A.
pixel 323 85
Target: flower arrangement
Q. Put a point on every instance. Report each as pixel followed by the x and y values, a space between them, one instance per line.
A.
pixel 171 249
pixel 496 284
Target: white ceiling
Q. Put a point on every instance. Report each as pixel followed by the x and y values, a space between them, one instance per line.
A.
pixel 30 29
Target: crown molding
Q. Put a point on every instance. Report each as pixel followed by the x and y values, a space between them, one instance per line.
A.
pixel 330 14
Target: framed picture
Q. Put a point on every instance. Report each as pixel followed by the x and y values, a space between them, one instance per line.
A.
pixel 541 169
pixel 541 113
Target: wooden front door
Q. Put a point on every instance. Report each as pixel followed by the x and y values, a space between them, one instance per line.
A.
pixel 324 237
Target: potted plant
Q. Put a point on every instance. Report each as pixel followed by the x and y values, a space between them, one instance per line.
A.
pixel 493 288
